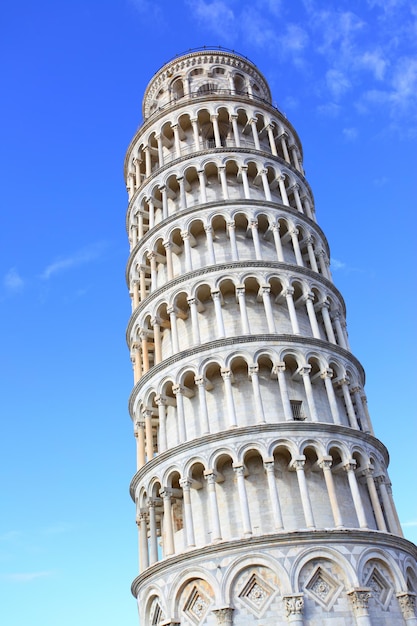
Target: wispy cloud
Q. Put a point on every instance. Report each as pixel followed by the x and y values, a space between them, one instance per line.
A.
pixel 12 280
pixel 350 134
pixel 337 265
pixel 216 16
pixel 26 577
pixel 411 524
pixel 78 258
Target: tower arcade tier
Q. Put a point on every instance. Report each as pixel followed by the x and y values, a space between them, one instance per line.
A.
pixel 262 495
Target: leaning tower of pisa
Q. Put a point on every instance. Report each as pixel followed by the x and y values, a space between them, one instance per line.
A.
pixel 262 494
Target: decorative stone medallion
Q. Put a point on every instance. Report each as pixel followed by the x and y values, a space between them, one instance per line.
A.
pixel 196 605
pixel 256 594
pixel 323 588
pixel 380 588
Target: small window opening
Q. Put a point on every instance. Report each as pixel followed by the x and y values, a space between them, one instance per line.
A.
pixel 297 410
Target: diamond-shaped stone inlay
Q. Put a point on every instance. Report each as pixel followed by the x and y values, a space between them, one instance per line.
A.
pixel 196 606
pixel 323 588
pixel 380 587
pixel 256 593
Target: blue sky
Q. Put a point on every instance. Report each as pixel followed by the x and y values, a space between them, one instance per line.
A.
pixel 73 75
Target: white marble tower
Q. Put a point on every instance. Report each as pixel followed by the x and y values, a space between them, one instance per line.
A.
pixel 262 495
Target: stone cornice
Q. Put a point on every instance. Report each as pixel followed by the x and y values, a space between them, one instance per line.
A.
pixel 216 344
pixel 215 151
pixel 237 265
pixel 287 428
pixel 292 539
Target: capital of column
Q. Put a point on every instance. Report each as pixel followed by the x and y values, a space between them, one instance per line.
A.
pixel 225 372
pixel 254 223
pixel 294 604
pixel 240 290
pixel 185 234
pixel 326 373
pixel 295 187
pixel 231 225
pixel 160 400
pixel 278 368
pixel 165 493
pixel 199 381
pixel 308 296
pixel 281 177
pixel 289 291
pixel 214 116
pixel 177 389
pixel 167 244
pixel 253 369
pixel 215 294
pixel 224 616
pixel 185 483
pixel 192 300
pixel 299 462
pixel 325 462
pixel 210 476
pixel 304 370
pixel 350 465
pixel 239 470
pixel 407 602
pixel 359 598
pixel 266 289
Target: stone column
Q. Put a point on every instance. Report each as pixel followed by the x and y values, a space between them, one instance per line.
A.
pixel 359 599
pixel 407 602
pixel 223 181
pixel 255 133
pixel 339 330
pixel 163 191
pixel 210 247
pixel 265 184
pixel 393 526
pixel 296 246
pixel 266 289
pixel 327 322
pixel 145 354
pixel 169 548
pixel 295 157
pixel 273 494
pixel 278 244
pixel 283 139
pixel 217 139
pixel 136 163
pixel 148 434
pixel 298 464
pixel 311 255
pixel 140 444
pixel 305 374
pixel 308 299
pixel 356 496
pixel 214 509
pixel 288 293
pixel 253 375
pixel 148 165
pixel 232 237
pixel 239 471
pixel 192 302
pixel 235 130
pixel 183 198
pixel 135 294
pixel 200 382
pixel 156 323
pixel 226 375
pixel 271 138
pixel 327 375
pixel 134 236
pixel 325 464
pixel 152 259
pixel 168 253
pixel 344 384
pixel 240 295
pixel 282 190
pixel 162 434
pixel 178 392
pixel 203 190
pixel 185 484
pixel 143 541
pixel 218 311
pixel 244 174
pixel 224 616
pixel 255 237
pixel 279 369
pixel 294 606
pixel 379 516
pixel 160 150
pixel 295 189
pixel 359 409
pixel 177 142
pixel 153 535
pixel 174 333
pixel 194 124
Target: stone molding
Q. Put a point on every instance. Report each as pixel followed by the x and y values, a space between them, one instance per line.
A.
pixel 293 540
